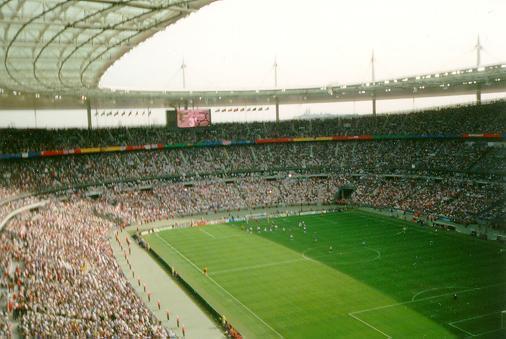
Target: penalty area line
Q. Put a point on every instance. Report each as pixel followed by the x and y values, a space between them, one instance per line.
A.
pixel 354 314
pixel 462 330
pixel 452 324
pixel 426 298
pixel 219 286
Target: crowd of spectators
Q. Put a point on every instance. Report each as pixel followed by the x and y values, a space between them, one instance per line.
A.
pixel 10 206
pixel 66 282
pixel 57 270
pixel 165 201
pixel 5 331
pixel 489 118
pixel 462 201
pixel 393 156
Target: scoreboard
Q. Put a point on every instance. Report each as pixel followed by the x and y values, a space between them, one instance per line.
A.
pixel 189 118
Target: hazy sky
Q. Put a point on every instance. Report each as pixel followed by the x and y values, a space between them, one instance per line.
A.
pixel 233 43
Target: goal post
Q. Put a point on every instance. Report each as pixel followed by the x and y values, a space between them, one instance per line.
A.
pixel 503 315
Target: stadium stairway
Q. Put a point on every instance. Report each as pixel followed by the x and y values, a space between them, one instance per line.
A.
pixel 164 289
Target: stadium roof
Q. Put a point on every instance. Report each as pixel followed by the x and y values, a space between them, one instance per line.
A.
pixel 66 46
pixel 53 54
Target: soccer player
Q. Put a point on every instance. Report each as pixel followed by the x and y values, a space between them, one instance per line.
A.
pixel 330 248
pixel 205 270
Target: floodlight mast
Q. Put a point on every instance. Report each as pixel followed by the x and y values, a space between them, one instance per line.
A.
pixel 275 73
pixel 276 87
pixel 478 48
pixel 183 66
pixel 373 80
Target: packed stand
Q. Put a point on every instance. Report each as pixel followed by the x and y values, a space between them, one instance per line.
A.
pixel 463 201
pixel 342 157
pixel 487 118
pixel 69 283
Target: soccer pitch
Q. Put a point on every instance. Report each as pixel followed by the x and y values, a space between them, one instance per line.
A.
pixel 383 277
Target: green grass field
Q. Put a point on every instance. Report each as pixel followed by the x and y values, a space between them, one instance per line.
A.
pixel 383 278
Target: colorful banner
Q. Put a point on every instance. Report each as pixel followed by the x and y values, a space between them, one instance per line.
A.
pixel 215 143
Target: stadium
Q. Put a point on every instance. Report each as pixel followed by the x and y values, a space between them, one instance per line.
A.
pixel 133 206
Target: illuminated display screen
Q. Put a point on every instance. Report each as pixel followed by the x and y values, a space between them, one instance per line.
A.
pixel 188 118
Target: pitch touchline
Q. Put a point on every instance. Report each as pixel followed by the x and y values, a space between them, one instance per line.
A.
pixel 216 283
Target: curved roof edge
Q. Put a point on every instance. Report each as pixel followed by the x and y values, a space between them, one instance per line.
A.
pixel 66 46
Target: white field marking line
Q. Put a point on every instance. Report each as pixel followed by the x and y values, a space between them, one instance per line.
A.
pixel 425 299
pixel 377 257
pixel 368 325
pixel 452 324
pixel 476 317
pixel 434 289
pixel 462 330
pixel 238 269
pixel 487 332
pixel 214 281
pixel 209 234
pixel 232 236
pixel 353 314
